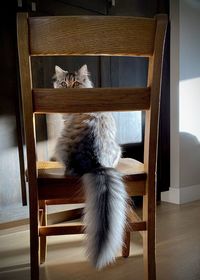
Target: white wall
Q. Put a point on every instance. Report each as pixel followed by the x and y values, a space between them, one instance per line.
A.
pixel 185 102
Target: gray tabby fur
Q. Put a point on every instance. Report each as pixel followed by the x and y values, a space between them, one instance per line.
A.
pixel 87 147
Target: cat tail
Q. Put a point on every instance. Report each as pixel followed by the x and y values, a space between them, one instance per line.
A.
pixel 105 215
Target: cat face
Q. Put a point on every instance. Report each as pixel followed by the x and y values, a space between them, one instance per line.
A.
pixel 65 79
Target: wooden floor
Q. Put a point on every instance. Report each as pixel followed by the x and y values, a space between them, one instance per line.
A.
pixel 178 252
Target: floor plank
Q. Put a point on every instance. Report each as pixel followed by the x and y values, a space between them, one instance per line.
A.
pixel 178 252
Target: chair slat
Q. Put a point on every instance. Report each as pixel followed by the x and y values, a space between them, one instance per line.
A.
pixel 138 226
pixel 93 35
pixel 90 100
pixel 79 229
pixel 61 230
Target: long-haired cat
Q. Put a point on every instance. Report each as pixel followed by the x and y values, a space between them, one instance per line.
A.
pixel 87 148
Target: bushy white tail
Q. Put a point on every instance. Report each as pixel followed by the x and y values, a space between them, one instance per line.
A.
pixel 105 215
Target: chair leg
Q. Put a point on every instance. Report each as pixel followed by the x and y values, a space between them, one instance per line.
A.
pixel 126 245
pixel 43 222
pixel 34 243
pixel 149 241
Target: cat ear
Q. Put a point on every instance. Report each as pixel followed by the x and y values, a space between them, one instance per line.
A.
pixel 83 71
pixel 59 72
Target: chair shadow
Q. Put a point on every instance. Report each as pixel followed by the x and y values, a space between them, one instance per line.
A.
pixel 77 267
pixel 120 270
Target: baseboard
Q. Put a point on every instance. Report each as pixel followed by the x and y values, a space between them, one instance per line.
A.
pixel 181 195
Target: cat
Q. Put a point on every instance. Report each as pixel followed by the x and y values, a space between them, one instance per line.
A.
pixel 87 147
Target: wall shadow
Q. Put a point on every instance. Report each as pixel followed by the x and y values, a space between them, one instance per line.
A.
pixel 189 159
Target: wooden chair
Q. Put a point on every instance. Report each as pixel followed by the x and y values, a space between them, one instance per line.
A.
pixel 102 35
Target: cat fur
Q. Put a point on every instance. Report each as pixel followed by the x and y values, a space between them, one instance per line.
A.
pixel 87 147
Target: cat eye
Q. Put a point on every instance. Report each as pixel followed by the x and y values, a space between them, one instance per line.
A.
pixel 76 84
pixel 63 84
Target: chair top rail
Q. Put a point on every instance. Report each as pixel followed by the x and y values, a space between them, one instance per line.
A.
pixel 91 35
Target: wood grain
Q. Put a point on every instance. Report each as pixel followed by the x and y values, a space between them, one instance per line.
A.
pixel 133 217
pixel 53 184
pixel 72 190
pixel 126 245
pixel 26 86
pixel 90 100
pixel 69 188
pixel 150 148
pixel 61 230
pixel 43 222
pixel 93 35
pixel 138 226
pixel 127 166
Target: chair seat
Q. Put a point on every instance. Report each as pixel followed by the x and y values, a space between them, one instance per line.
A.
pixel 126 166
pixel 54 184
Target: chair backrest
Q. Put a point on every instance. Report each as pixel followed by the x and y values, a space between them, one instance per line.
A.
pixel 91 35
